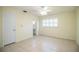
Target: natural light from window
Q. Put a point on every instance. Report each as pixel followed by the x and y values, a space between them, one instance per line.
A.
pixel 50 22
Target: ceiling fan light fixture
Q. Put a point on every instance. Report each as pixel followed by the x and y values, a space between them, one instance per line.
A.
pixel 43 13
pixel 44 10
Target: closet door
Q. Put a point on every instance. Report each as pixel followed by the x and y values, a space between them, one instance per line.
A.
pixel 9 28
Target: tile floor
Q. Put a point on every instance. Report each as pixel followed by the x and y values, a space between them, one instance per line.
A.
pixel 42 44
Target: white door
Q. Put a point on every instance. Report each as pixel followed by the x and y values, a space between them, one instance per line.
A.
pixel 9 28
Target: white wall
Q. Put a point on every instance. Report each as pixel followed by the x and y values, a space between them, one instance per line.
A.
pixel 66 26
pixel 77 27
pixel 1 41
pixel 24 26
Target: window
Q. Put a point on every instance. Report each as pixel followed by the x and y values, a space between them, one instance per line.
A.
pixel 50 22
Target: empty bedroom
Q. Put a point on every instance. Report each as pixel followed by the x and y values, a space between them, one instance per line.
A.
pixel 39 29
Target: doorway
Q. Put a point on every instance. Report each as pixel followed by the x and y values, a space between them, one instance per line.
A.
pixel 34 28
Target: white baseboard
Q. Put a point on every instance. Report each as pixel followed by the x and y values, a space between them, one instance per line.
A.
pixel 54 37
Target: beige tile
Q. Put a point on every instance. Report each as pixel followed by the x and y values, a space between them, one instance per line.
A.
pixel 42 44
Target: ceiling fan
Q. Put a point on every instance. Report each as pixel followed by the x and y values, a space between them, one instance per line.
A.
pixel 44 10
